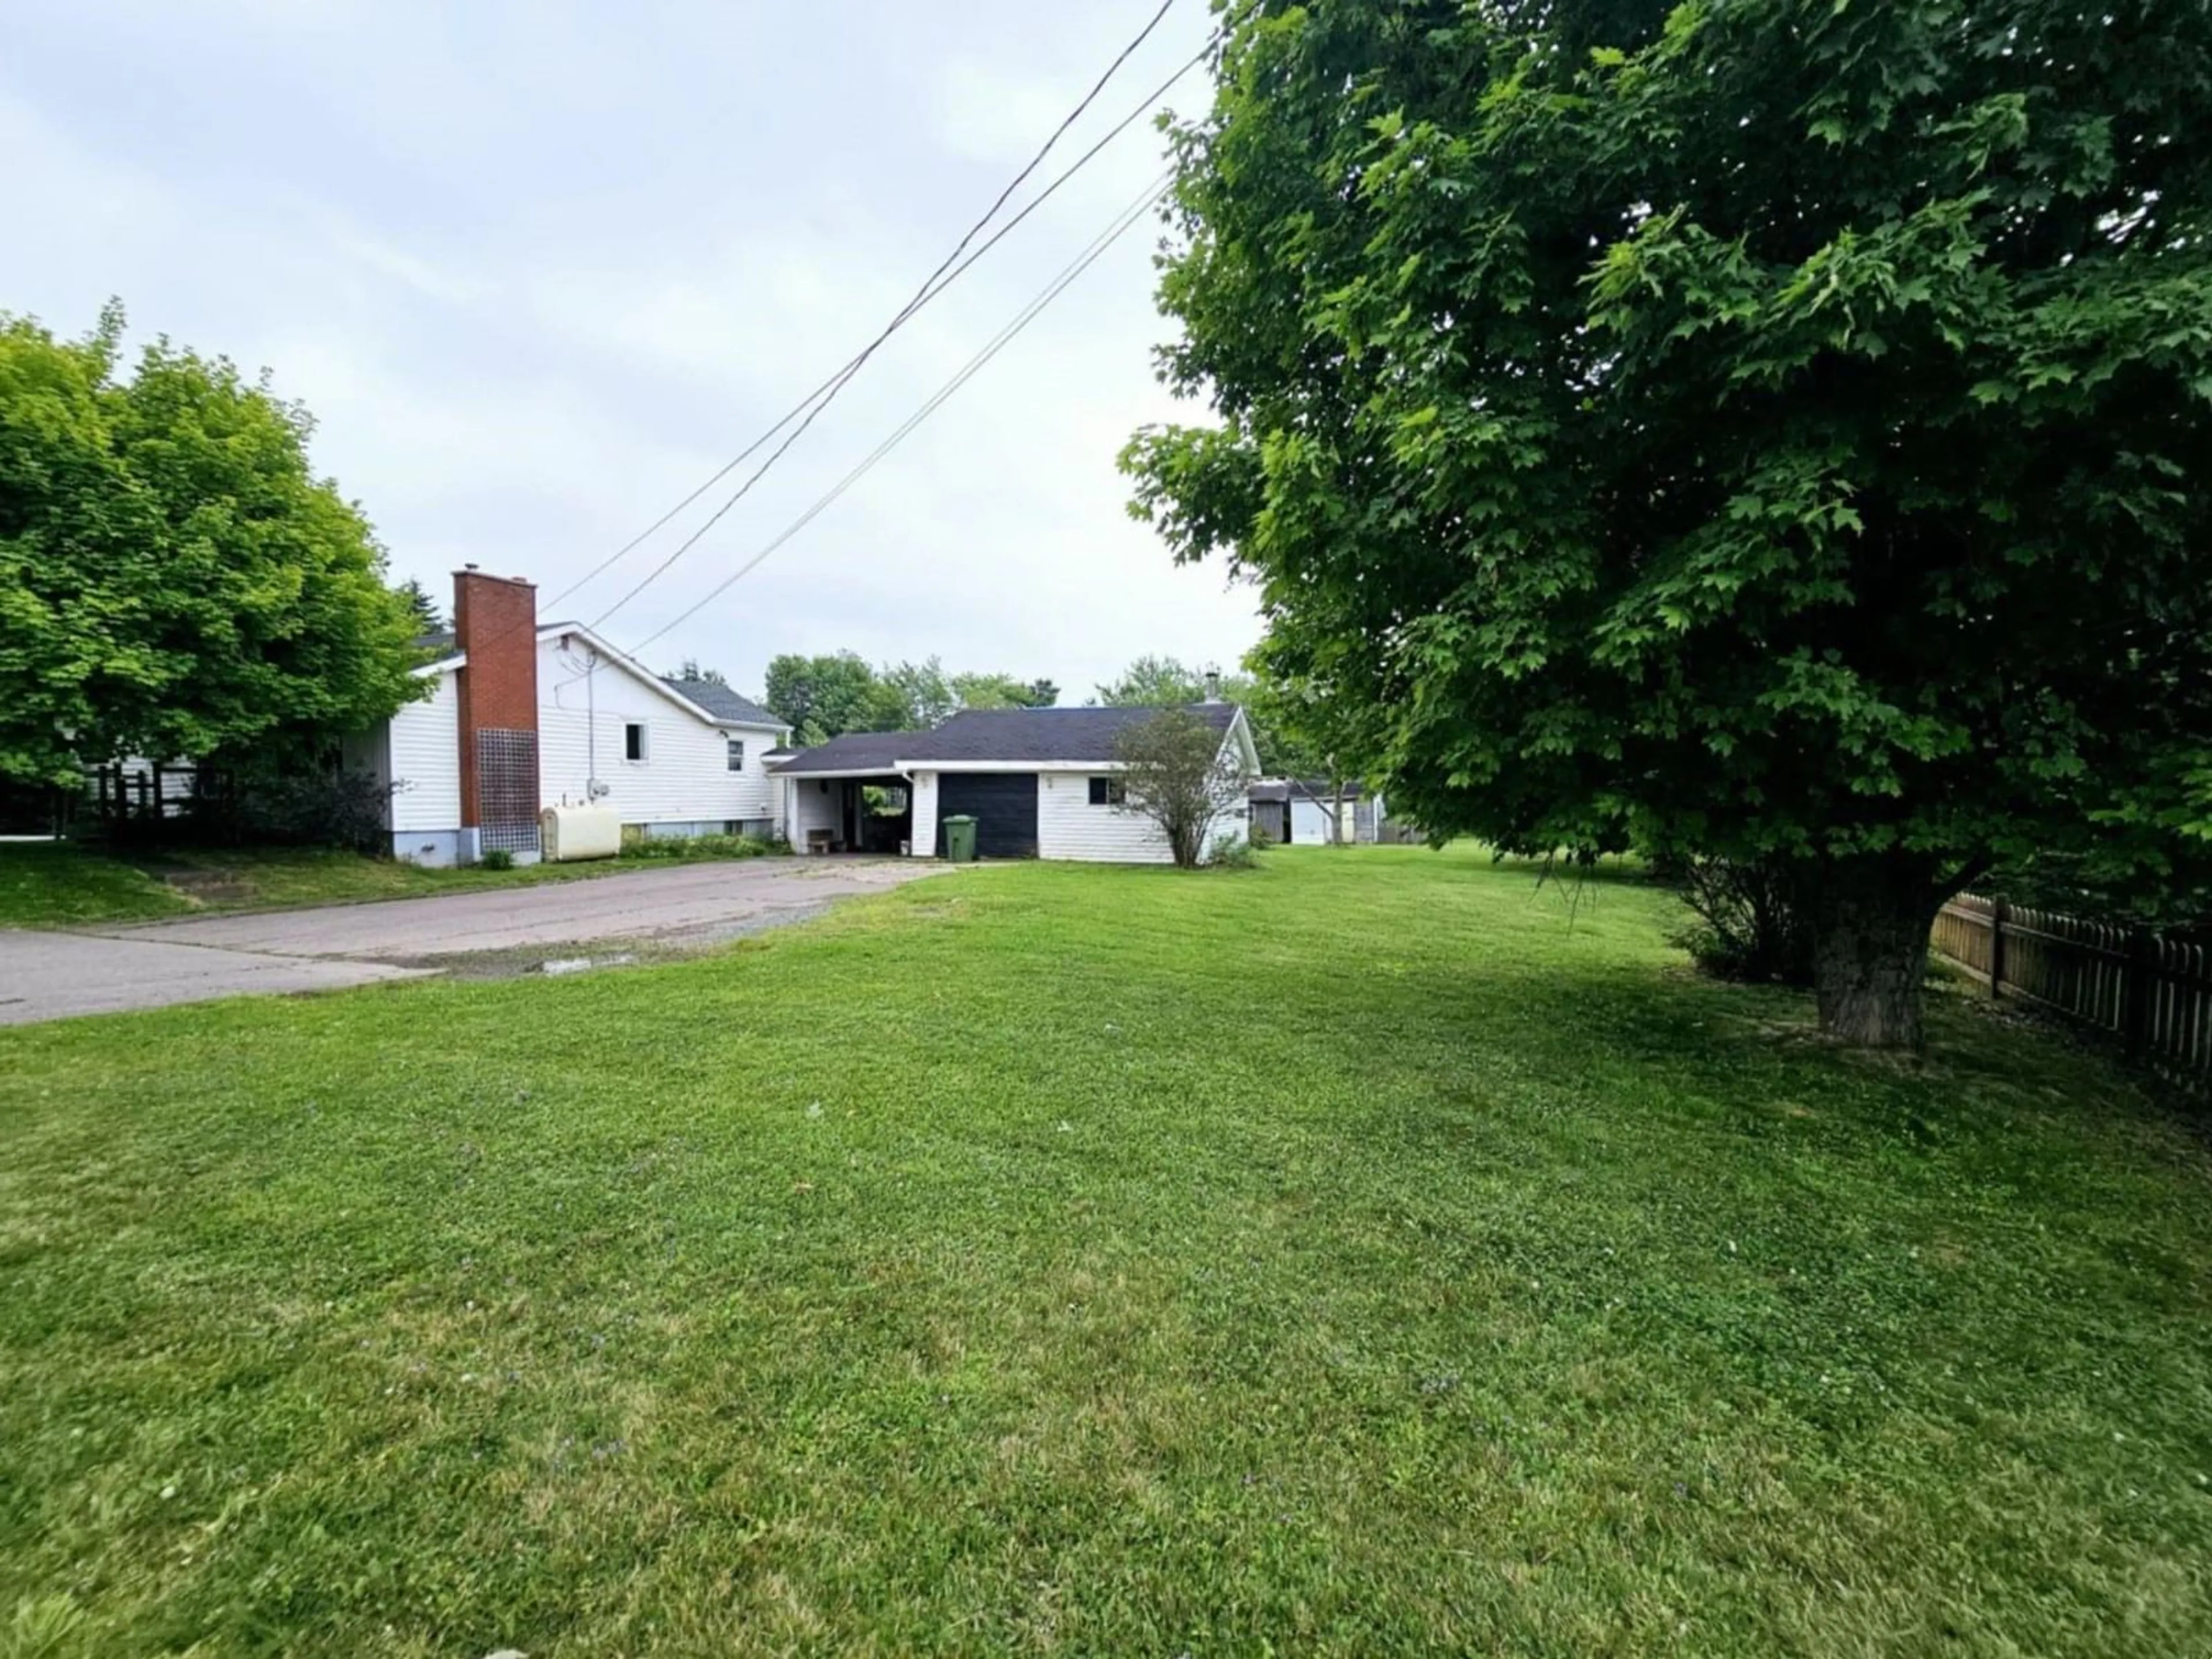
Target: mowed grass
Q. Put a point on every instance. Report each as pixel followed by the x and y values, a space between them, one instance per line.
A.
pixel 1360 1255
pixel 63 886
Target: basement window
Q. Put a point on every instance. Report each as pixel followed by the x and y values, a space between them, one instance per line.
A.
pixel 634 744
pixel 1106 791
pixel 737 754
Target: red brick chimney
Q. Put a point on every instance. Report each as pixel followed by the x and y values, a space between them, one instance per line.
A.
pixel 496 627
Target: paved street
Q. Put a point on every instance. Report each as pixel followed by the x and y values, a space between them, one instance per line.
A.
pixel 53 975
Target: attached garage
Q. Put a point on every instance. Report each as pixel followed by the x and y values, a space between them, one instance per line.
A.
pixel 1003 803
pixel 1041 783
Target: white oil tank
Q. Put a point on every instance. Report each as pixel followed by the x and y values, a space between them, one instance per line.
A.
pixel 567 834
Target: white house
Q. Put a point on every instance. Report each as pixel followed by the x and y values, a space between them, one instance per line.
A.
pixel 1040 782
pixel 526 715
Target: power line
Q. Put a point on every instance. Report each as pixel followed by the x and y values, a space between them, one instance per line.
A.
pixel 827 393
pixel 1153 193
pixel 935 284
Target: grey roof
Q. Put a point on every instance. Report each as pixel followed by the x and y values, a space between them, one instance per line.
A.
pixel 997 735
pixel 856 752
pixel 1318 789
pixel 441 640
pixel 723 703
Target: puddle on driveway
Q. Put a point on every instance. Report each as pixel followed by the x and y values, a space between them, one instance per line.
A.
pixel 596 956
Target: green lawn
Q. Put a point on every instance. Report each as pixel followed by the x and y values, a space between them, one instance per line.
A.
pixel 1356 1255
pixel 50 885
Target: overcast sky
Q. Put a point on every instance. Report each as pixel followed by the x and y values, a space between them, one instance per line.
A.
pixel 539 269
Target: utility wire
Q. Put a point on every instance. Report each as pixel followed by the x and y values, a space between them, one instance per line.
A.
pixel 1153 193
pixel 935 284
pixel 808 411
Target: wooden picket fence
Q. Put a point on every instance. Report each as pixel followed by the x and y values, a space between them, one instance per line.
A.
pixel 2153 993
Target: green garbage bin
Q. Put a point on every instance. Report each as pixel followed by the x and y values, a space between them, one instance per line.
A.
pixel 960 838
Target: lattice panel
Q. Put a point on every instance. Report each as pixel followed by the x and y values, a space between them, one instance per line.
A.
pixel 506 790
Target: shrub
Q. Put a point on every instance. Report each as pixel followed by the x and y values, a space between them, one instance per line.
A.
pixel 1750 926
pixel 1231 851
pixel 686 850
pixel 1171 773
pixel 497 858
pixel 281 809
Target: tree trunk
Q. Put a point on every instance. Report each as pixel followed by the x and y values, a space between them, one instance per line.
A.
pixel 1871 919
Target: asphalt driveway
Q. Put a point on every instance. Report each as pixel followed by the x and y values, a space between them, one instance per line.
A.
pixel 100 970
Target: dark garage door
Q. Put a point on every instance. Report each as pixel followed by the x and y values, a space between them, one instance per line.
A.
pixel 1004 806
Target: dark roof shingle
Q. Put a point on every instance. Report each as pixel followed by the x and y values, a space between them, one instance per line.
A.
pixel 1315 789
pixel 856 752
pixel 722 703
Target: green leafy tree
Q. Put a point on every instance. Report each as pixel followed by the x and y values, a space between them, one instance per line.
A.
pixel 691 669
pixel 1172 773
pixel 1154 682
pixel 174 582
pixel 927 697
pixel 825 696
pixel 1300 738
pixel 1773 429
pixel 429 619
pixel 1003 691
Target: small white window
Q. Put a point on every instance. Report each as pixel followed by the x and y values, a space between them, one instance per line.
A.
pixel 634 744
pixel 737 754
pixel 1106 791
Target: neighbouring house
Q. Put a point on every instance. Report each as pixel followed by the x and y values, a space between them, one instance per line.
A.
pixel 1040 782
pixel 527 714
pixel 1306 812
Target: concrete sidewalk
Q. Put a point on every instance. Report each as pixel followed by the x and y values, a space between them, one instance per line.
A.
pixel 45 976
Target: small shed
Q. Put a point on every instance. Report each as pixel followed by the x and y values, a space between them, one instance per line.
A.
pixel 1310 813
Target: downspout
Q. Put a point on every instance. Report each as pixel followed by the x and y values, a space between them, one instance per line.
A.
pixel 592 730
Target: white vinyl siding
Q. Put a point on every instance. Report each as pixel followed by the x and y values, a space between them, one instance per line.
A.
pixel 814 807
pixel 925 815
pixel 424 750
pixel 685 776
pixel 1070 827
pixel 1234 820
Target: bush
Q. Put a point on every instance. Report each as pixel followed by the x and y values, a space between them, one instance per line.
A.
pixel 1750 927
pixel 1231 851
pixel 1171 773
pixel 497 859
pixel 273 809
pixel 687 849
pixel 2177 901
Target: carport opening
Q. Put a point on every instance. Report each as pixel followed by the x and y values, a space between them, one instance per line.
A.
pixel 871 814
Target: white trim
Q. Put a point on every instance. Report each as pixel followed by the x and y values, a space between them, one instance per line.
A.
pixel 903 767
pixel 653 681
pixel 1004 766
pixel 1247 746
pixel 860 772
pixel 637 670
